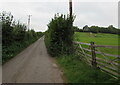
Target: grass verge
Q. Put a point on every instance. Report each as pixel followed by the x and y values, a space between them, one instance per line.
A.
pixel 77 71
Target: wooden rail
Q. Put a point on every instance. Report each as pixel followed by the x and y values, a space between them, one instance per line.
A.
pixel 81 43
pixel 98 52
pixel 107 46
pixel 106 64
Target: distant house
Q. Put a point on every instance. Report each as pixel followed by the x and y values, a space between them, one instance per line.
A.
pixel 86 28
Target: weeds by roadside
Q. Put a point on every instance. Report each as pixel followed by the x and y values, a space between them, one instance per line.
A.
pixel 77 71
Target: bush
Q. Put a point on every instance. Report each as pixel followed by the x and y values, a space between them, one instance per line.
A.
pixel 59 36
pixel 15 37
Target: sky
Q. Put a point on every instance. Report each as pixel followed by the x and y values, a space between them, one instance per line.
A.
pixel 99 13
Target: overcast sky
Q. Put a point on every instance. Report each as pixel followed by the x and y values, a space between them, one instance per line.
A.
pixel 87 13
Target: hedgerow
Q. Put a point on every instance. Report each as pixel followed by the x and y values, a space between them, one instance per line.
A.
pixel 59 36
pixel 15 36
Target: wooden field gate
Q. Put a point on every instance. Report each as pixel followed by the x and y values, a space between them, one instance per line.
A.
pixel 111 66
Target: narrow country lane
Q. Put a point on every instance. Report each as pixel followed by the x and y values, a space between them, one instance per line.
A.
pixel 32 65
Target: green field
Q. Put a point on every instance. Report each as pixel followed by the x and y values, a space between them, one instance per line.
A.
pixel 98 39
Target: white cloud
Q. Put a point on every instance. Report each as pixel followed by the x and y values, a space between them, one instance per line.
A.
pixel 59 0
pixel 94 13
pixel 90 13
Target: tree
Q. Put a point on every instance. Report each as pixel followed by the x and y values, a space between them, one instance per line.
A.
pixel 94 29
pixel 76 29
pixel 7 29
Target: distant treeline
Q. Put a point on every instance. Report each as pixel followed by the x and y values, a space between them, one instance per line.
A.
pixel 15 36
pixel 95 29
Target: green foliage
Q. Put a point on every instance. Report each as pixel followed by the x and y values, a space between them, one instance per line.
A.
pixel 76 29
pixel 6 24
pixel 77 71
pixel 59 35
pixel 15 37
pixel 95 29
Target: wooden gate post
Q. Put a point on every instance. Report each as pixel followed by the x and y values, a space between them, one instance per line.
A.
pixel 94 64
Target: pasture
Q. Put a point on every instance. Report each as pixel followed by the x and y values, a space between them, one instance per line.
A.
pixel 98 39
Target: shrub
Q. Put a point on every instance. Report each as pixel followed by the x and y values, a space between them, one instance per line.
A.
pixel 59 36
pixel 15 37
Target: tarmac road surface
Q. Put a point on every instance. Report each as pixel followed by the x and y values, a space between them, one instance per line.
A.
pixel 32 65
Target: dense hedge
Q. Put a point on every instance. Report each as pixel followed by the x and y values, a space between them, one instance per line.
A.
pixel 59 36
pixel 15 36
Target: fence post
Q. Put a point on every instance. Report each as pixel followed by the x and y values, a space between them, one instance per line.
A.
pixel 94 64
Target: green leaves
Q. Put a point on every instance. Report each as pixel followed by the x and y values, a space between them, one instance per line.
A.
pixel 15 37
pixel 59 35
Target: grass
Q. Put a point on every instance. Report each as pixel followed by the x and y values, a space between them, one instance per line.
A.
pixel 99 39
pixel 77 71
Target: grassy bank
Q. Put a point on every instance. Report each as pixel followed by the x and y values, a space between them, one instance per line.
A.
pixel 77 71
